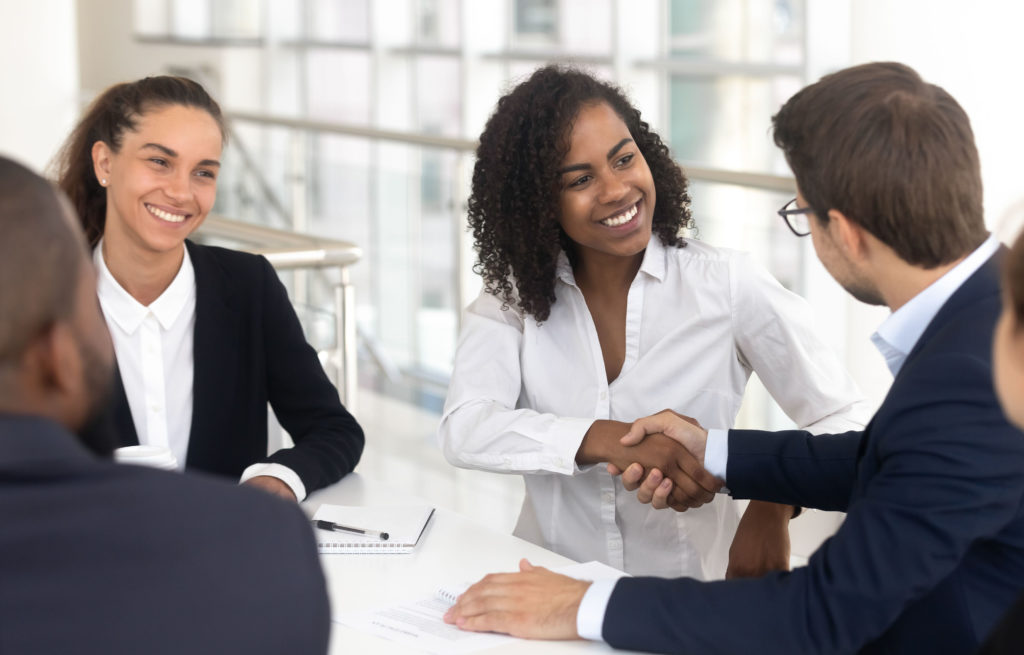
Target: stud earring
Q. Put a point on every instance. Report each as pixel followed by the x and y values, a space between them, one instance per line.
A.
pixel 103 182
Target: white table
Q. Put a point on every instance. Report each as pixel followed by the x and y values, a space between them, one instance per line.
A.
pixel 453 549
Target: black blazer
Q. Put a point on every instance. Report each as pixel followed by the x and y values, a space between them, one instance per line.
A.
pixel 101 558
pixel 931 553
pixel 249 349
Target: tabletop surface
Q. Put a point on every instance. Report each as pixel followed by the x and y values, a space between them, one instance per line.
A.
pixel 452 550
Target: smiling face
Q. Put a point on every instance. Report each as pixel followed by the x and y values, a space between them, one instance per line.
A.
pixel 162 181
pixel 607 193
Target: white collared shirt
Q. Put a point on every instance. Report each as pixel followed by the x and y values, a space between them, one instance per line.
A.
pixel 698 320
pixel 154 347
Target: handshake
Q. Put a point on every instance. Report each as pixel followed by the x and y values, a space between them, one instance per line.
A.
pixel 660 456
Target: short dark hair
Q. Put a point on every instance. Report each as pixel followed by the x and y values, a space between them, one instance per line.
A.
pixel 513 208
pixel 894 154
pixel 115 111
pixel 39 251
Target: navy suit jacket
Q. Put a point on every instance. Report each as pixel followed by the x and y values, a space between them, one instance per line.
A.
pixel 97 557
pixel 249 349
pixel 931 552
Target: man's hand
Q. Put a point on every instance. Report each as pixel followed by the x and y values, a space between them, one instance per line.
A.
pixel 761 543
pixel 273 485
pixel 688 484
pixel 651 484
pixel 534 604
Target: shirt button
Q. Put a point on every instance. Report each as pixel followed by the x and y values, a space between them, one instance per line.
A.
pixel 604 395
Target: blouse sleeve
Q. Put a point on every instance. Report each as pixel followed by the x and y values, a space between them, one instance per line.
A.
pixel 328 440
pixel 776 337
pixel 482 427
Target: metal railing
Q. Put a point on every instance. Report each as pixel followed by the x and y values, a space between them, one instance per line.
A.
pixel 749 179
pixel 287 250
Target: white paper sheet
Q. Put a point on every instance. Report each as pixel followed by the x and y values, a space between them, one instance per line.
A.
pixel 420 623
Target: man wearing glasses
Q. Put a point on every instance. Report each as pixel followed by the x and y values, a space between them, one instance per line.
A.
pixel 931 553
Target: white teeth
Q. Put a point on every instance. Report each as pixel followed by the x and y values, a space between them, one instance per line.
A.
pixel 167 216
pixel 621 219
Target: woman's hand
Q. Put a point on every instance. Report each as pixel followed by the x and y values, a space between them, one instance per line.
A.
pixel 273 485
pixel 687 484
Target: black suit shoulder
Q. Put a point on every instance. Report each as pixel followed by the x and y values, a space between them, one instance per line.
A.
pixel 109 558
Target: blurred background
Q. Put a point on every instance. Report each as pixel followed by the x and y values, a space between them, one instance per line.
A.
pixel 356 120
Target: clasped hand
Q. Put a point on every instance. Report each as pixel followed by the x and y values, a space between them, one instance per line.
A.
pixel 664 487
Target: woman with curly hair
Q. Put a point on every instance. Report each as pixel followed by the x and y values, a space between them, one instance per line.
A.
pixel 595 312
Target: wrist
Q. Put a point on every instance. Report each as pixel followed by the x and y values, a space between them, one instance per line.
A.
pixel 701 449
pixel 601 442
pixel 774 511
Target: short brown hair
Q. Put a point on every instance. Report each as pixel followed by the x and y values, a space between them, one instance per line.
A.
pixel 891 152
pixel 115 111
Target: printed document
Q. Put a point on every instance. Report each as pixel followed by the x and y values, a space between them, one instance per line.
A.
pixel 420 623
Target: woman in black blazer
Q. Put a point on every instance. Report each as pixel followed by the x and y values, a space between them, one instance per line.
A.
pixel 205 336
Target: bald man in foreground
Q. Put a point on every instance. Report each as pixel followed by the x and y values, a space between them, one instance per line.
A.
pixel 97 557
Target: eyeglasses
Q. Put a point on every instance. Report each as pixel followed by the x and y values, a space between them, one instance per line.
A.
pixel 796 218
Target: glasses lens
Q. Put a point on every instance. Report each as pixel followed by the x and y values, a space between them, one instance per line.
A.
pixel 799 222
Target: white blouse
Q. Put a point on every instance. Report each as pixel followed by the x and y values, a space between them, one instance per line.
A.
pixel 154 347
pixel 698 321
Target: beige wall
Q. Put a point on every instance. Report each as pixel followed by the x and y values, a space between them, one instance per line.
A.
pixel 38 78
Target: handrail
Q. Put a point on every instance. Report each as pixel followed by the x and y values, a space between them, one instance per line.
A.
pixel 763 181
pixel 284 248
pixel 288 250
pixel 351 129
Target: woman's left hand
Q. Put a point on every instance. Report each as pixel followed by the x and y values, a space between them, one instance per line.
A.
pixel 272 485
pixel 761 543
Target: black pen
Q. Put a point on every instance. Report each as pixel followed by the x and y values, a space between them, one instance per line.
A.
pixel 337 527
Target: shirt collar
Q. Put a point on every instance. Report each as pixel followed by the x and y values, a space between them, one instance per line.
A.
pixel 898 334
pixel 653 263
pixel 128 312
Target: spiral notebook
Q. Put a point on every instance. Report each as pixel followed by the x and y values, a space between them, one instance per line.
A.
pixel 404 525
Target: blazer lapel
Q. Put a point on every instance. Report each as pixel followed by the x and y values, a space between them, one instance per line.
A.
pixel 214 358
pixel 124 425
pixel 983 283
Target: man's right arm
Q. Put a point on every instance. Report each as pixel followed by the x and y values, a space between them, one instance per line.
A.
pixel 791 467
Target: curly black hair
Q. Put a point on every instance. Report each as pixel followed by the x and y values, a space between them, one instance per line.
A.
pixel 513 208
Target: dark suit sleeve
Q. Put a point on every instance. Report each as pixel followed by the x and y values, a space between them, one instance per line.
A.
pixel 1008 636
pixel 947 474
pixel 793 467
pixel 328 440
